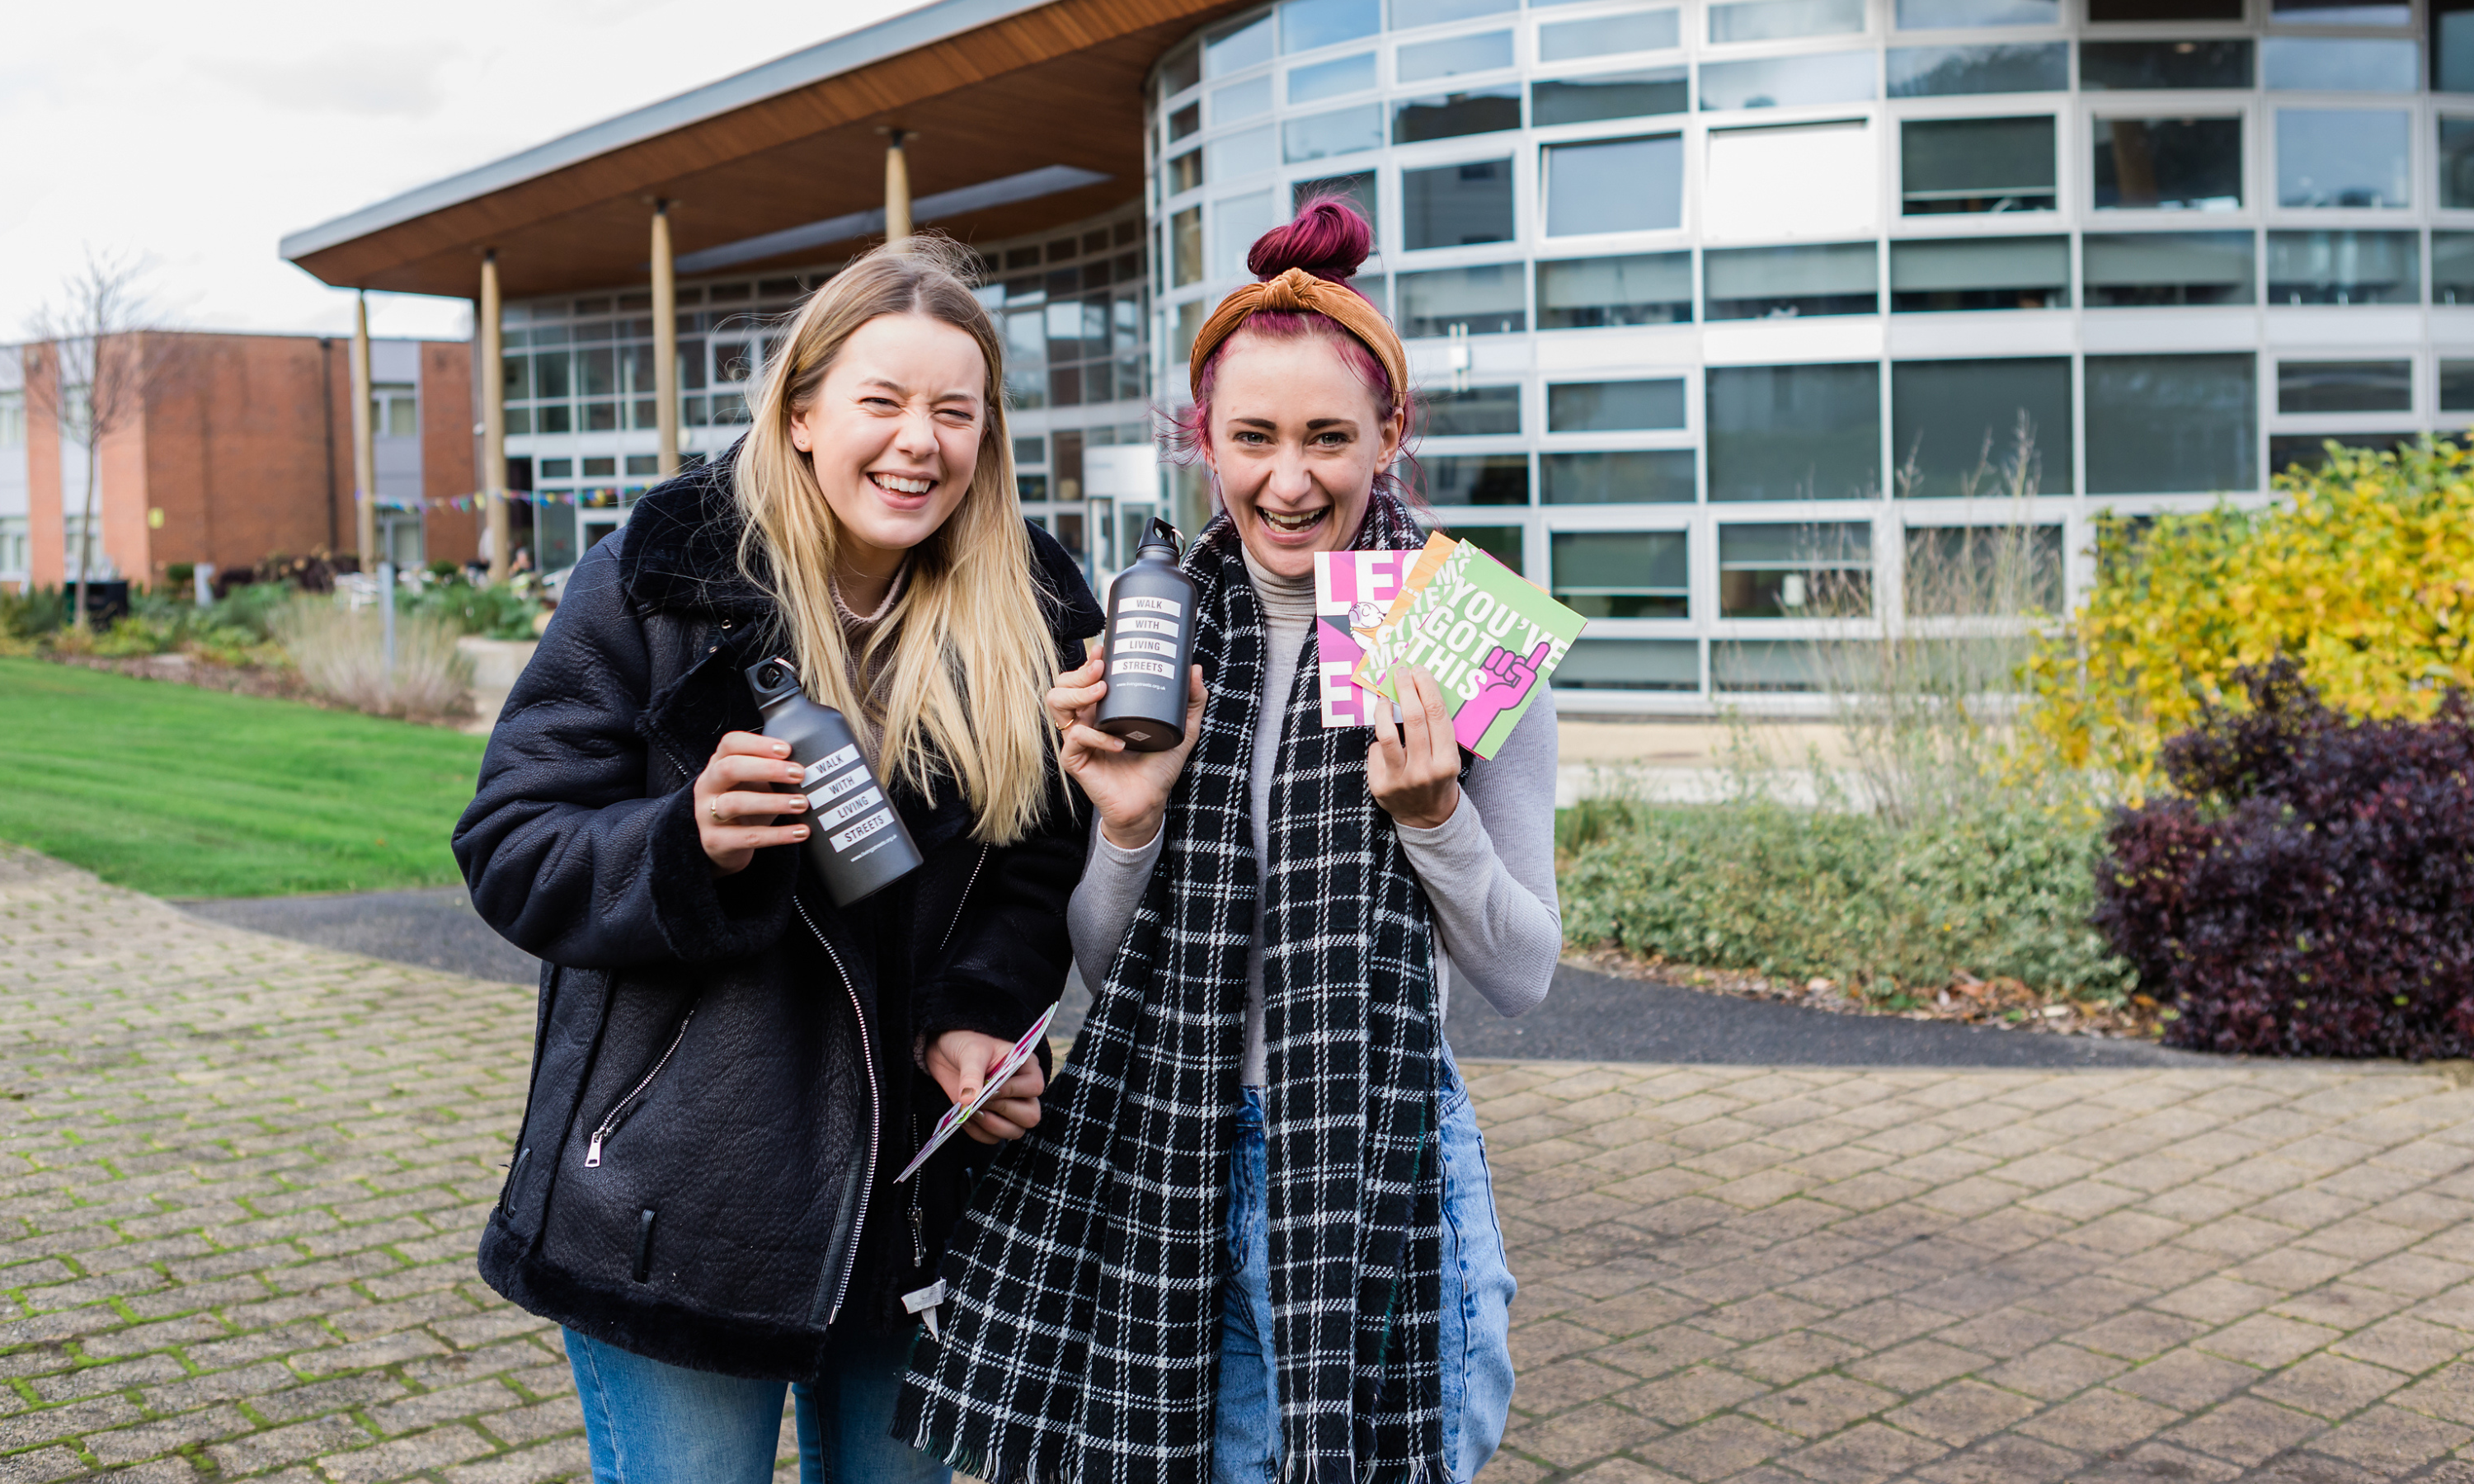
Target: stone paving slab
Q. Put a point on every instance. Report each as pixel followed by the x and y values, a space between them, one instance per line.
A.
pixel 240 1180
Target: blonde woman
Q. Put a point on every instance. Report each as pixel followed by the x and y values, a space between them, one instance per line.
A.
pixel 729 1072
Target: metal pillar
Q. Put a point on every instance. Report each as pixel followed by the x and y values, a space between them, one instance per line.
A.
pixel 493 420
pixel 665 345
pixel 897 186
pixel 365 462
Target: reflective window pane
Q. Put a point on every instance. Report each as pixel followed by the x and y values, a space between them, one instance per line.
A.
pixel 1976 164
pixel 1478 112
pixel 1504 543
pixel 1957 426
pixel 1814 569
pixel 1236 221
pixel 1950 14
pixel 1614 185
pixel 1614 406
pixel 2338 65
pixel 1183 173
pixel 2159 424
pixel 1621 574
pixel 1982 571
pixel 1608 96
pixel 1791 183
pixel 1631 664
pixel 1782 665
pixel 2452 267
pixel 2342 13
pixel 1237 48
pixel 1485 301
pixel 1334 79
pixel 1308 24
pixel 1645 31
pixel 1780 20
pixel 1488 51
pixel 1358 190
pixel 1628 476
pixel 2151 64
pixel 2309 451
pixel 1593 293
pixel 1455 206
pixel 1941 275
pixel 1476 479
pixel 2345 385
pixel 1182 69
pixel 1794 432
pixel 1341 132
pixel 2452 46
pixel 2144 269
pixel 2168 164
pixel 2342 156
pixel 1241 153
pixel 1409 13
pixel 1476 411
pixel 1240 101
pixel 1787 82
pixel 2457 386
pixel 1185 122
pixel 1765 283
pixel 2164 10
pixel 2344 268
pixel 2457 163
pixel 1949 71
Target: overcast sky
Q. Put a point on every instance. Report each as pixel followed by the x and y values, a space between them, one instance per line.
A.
pixel 198 135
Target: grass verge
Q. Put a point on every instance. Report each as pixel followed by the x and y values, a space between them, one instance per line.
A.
pixel 181 792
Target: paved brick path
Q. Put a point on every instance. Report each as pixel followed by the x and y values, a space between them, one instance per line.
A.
pixel 240 1179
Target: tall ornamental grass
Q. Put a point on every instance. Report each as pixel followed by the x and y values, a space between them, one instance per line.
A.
pixel 341 654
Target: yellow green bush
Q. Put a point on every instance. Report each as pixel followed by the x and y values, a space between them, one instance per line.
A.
pixel 2363 573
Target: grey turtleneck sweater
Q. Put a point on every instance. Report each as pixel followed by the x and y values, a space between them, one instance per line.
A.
pixel 1492 889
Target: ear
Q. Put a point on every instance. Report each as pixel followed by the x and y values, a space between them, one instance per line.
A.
pixel 1395 434
pixel 799 437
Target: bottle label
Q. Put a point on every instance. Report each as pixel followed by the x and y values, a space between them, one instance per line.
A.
pixel 1136 623
pixel 1130 665
pixel 874 823
pixel 1136 644
pixel 838 758
pixel 857 777
pixel 827 819
pixel 1142 605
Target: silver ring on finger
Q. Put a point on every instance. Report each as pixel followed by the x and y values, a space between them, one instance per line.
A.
pixel 714 809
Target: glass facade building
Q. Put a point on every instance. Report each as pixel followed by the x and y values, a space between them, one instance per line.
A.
pixel 1726 314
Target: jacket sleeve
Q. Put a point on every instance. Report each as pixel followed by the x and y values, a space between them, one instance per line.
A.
pixel 566 855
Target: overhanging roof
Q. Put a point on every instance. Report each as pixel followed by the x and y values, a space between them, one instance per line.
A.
pixel 993 90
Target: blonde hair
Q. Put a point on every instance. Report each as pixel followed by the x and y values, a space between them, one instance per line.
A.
pixel 960 662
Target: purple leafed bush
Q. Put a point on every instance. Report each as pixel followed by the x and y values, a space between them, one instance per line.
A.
pixel 2308 887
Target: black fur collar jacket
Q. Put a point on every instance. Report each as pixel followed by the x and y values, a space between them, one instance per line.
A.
pixel 723 1076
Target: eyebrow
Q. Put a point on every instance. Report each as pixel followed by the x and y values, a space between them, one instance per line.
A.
pixel 1312 424
pixel 889 385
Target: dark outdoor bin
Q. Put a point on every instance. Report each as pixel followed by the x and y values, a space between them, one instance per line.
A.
pixel 105 601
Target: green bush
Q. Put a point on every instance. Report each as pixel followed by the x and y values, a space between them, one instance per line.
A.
pixel 251 609
pixel 1794 892
pixel 495 612
pixel 31 613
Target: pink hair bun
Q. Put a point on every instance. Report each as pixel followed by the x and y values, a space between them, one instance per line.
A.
pixel 1327 238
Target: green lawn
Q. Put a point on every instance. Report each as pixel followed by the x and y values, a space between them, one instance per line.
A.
pixel 182 792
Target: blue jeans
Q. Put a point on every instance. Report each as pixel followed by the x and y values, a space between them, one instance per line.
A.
pixel 1477 1288
pixel 649 1422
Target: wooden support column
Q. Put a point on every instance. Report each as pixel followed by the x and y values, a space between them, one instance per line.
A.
pixel 665 345
pixel 897 186
pixel 493 419
pixel 365 462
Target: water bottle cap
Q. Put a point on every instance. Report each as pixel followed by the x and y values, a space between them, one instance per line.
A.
pixel 1161 536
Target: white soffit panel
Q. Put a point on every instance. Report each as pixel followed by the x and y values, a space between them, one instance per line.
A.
pixel 1806 182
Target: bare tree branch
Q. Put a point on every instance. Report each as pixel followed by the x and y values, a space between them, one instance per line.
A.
pixel 99 355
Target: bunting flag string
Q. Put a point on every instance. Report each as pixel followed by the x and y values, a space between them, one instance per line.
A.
pixel 602 497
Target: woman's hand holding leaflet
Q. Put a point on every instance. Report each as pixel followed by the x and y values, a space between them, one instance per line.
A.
pixel 731 796
pixel 1414 769
pixel 1128 788
pixel 961 1062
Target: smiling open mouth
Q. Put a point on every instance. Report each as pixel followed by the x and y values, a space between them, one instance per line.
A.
pixel 1292 525
pixel 896 484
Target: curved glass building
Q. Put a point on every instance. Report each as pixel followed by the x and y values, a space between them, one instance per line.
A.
pixel 1727 313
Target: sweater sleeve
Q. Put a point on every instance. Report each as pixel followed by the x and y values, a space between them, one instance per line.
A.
pixel 1104 902
pixel 1490 870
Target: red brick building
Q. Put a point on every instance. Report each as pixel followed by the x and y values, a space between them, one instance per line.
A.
pixel 244 450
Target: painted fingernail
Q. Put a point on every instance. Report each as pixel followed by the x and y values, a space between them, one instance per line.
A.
pixel 781 748
pixel 798 831
pixel 791 773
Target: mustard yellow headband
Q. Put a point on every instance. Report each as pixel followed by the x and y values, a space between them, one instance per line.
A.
pixel 1300 291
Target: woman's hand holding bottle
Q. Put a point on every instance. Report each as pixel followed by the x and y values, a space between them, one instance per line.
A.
pixel 732 802
pixel 1128 788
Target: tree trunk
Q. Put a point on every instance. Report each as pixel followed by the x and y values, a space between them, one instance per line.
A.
pixel 85 527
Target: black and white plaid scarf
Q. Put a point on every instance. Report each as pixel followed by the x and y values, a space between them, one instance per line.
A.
pixel 1080 1334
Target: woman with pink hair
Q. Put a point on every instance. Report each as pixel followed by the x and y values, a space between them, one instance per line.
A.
pixel 1253 1238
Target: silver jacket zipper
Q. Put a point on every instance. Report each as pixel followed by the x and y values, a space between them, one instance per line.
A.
pixel 876 1112
pixel 964 899
pixel 593 1150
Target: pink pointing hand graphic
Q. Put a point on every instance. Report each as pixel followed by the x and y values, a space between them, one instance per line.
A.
pixel 1508 681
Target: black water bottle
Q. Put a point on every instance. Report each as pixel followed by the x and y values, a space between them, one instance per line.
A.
pixel 1151 646
pixel 855 837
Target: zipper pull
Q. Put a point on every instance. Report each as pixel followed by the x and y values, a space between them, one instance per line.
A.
pixel 918 1239
pixel 593 1152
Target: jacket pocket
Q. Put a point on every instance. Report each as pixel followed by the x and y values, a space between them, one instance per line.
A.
pixel 620 1110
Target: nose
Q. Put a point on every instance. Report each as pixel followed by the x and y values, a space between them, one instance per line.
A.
pixel 915 436
pixel 1290 479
